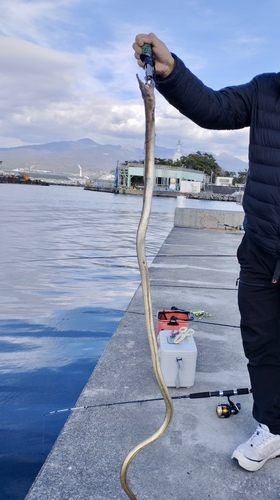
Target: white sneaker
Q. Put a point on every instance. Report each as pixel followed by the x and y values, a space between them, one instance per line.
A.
pixel 262 446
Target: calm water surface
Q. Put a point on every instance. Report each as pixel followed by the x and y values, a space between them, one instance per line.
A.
pixel 68 272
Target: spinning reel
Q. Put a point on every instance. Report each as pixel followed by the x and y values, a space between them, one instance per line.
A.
pixel 226 410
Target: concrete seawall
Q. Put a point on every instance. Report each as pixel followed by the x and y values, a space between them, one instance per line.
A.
pixel 209 219
pixel 194 269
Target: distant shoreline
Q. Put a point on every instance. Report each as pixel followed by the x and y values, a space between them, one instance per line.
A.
pixel 205 195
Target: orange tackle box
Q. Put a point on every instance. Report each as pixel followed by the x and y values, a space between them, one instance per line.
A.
pixel 173 319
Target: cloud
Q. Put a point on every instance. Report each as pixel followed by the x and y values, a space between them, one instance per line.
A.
pixel 33 20
pixel 171 124
pixel 108 120
pixel 32 78
pixel 100 117
pixel 50 94
pixel 31 75
pixel 244 46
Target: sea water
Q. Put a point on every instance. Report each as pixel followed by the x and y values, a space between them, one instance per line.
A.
pixel 68 272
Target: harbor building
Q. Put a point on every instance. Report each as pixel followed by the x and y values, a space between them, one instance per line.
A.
pixel 130 175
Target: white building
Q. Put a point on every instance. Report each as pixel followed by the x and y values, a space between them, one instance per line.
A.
pixel 190 187
pixel 223 181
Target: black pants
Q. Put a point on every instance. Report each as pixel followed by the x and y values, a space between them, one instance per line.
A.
pixel 259 305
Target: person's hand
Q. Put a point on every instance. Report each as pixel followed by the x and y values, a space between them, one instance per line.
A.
pixel 164 62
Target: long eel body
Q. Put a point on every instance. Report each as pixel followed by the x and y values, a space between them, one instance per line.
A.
pixel 149 173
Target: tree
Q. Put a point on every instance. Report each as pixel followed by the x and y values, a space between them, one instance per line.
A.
pixel 164 161
pixel 204 162
pixel 241 177
pixel 230 174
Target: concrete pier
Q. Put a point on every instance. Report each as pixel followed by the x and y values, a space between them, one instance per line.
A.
pixel 194 269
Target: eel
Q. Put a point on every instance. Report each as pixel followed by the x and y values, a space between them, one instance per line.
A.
pixel 149 177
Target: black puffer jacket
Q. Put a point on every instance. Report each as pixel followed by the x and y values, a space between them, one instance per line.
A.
pixel 255 104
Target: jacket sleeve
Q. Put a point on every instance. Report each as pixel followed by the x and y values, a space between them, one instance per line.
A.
pixel 225 109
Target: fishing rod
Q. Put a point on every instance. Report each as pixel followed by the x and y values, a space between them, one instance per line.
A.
pixel 194 395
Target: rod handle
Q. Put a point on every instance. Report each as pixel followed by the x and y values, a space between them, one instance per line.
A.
pixel 232 392
pixel 147 49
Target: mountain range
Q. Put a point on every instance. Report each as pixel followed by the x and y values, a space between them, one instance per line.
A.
pixel 95 159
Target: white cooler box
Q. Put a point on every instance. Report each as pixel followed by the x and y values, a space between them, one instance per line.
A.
pixel 177 361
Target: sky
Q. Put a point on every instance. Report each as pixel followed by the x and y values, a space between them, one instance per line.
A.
pixel 67 69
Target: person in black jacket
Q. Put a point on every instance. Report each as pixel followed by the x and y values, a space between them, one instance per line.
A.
pixel 256 105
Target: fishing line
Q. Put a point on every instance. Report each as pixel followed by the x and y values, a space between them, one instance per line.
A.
pixel 215 324
pixel 194 255
pixel 192 287
pixel 50 259
pixel 200 321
